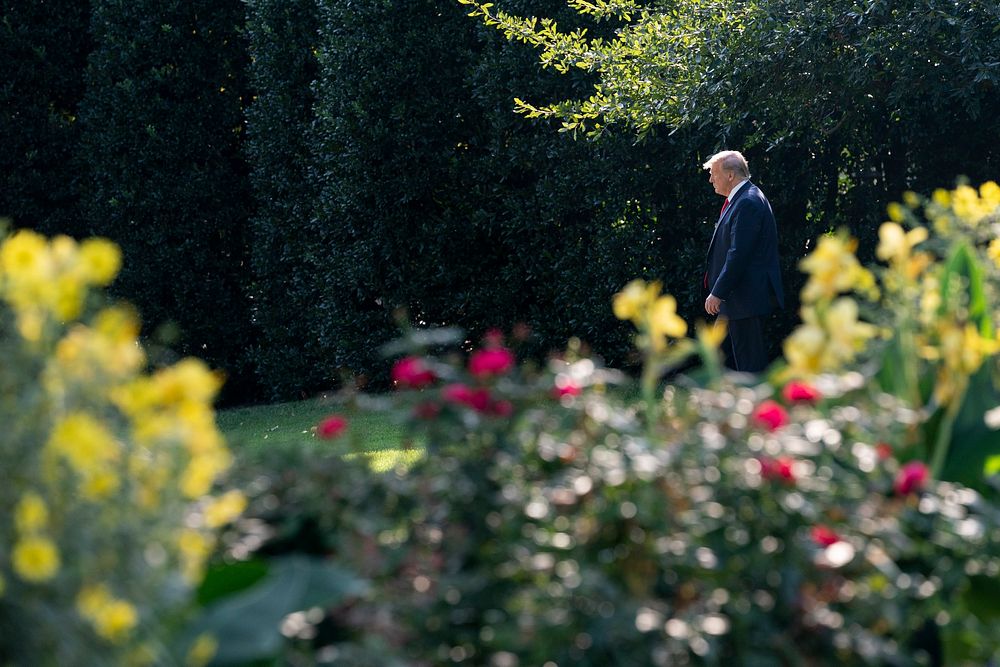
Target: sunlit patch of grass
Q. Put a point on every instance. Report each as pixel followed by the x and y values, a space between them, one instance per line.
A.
pixel 289 425
pixel 384 460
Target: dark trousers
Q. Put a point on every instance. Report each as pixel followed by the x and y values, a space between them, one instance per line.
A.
pixel 744 346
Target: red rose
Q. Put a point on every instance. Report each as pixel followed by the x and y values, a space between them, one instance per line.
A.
pixel 492 361
pixel 800 392
pixel 568 389
pixel 884 450
pixel 824 536
pixel 912 477
pixel 780 469
pixel 770 415
pixel 502 408
pixel 412 372
pixel 331 427
pixel 477 399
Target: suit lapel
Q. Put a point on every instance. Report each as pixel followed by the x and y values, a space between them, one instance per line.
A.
pixel 724 218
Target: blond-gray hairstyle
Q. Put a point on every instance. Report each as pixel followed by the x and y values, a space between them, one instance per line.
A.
pixel 731 161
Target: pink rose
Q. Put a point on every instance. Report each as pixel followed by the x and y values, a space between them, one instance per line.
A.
pixel 331 427
pixel 780 469
pixel 800 392
pixel 412 372
pixel 824 536
pixel 912 477
pixel 492 361
pixel 770 415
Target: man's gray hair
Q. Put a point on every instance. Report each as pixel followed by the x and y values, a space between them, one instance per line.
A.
pixel 731 161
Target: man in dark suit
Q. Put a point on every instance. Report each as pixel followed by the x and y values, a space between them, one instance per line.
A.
pixel 743 278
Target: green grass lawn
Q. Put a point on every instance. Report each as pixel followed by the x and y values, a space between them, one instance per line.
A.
pixel 286 425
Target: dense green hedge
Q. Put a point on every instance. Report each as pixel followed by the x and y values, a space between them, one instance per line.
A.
pixel 162 126
pixel 41 83
pixel 284 176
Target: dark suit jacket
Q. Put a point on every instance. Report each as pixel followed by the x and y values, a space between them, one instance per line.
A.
pixel 743 268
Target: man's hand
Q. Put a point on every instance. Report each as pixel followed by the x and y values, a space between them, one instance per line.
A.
pixel 713 304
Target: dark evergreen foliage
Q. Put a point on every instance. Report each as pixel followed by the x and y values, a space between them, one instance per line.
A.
pixel 162 127
pixel 43 51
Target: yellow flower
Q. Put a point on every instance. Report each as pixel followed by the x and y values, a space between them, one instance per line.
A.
pixel 895 211
pixel 116 620
pixel 967 206
pixel 833 268
pixel 895 244
pixel 222 510
pixel 804 349
pixel 631 302
pixel 31 514
pixel 994 251
pixel 201 471
pixel 942 198
pixel 664 320
pixel 194 549
pixel 847 334
pixel 25 255
pixel 989 192
pixel 84 441
pixel 100 484
pixel 35 559
pixel 100 260
pixel 202 651
pixel 963 349
pixel 112 618
pixel 187 380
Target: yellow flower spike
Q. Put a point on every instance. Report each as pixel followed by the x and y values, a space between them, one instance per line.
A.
pixel 804 349
pixel 833 268
pixel 632 301
pixel 664 320
pixel 35 559
pixel 100 261
pixel 911 199
pixel 31 514
pixel 711 335
pixel 843 324
pixel 895 244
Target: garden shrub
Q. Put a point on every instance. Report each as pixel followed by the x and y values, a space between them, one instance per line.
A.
pixel 806 517
pixel 111 506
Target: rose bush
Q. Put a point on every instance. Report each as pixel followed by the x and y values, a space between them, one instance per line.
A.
pixel 825 514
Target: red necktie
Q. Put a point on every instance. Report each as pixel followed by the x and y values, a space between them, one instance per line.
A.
pixel 724 205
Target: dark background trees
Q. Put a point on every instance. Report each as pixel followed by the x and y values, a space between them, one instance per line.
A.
pixel 285 176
